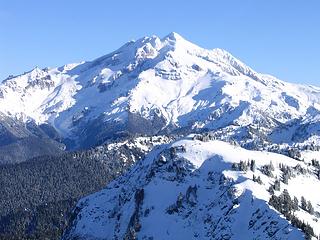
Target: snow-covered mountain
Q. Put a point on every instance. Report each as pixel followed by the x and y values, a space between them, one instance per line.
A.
pixel 196 189
pixel 208 185
pixel 156 85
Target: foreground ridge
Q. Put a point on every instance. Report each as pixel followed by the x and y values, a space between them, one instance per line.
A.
pixel 206 189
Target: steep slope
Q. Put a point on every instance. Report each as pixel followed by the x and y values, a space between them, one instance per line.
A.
pixel 204 190
pixel 37 196
pixel 20 141
pixel 155 85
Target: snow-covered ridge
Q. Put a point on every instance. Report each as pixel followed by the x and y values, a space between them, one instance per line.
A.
pixel 201 190
pixel 162 83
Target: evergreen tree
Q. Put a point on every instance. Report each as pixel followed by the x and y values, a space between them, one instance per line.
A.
pixel 303 203
pixel 276 185
pixel 252 165
pixel 286 206
pixel 267 170
pixel 257 179
pixel 271 166
pixel 287 203
pixel 310 208
pixel 295 203
pixel 285 178
pixel 271 190
pixel 243 166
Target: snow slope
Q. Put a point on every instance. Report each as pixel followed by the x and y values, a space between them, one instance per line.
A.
pixel 190 190
pixel 157 85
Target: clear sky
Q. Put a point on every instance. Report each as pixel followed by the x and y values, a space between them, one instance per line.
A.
pixel 279 37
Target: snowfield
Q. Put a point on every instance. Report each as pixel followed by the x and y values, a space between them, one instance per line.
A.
pixel 165 84
pixel 246 165
pixel 190 190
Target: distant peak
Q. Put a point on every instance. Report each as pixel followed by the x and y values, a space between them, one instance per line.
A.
pixel 174 36
pixel 176 40
pixel 36 69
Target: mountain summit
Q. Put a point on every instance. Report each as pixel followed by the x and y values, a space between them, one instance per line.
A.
pixel 238 157
pixel 160 85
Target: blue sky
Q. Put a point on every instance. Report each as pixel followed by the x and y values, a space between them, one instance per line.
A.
pixel 279 37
